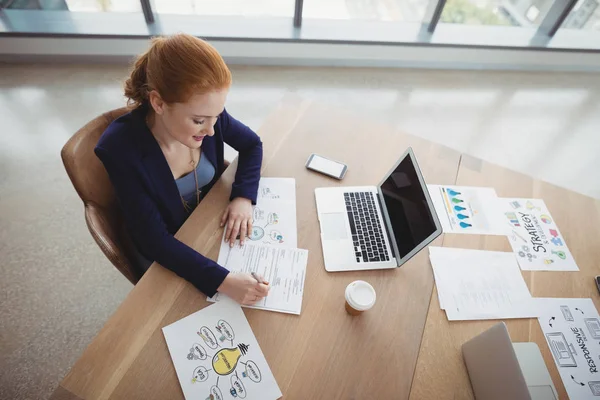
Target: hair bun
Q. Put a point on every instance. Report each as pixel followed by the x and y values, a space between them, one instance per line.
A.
pixel 176 67
pixel 136 86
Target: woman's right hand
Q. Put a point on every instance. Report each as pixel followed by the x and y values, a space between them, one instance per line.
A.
pixel 243 288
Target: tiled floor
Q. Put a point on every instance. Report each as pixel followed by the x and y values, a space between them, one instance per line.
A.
pixel 58 289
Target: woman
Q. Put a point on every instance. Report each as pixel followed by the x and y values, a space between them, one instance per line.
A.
pixel 165 155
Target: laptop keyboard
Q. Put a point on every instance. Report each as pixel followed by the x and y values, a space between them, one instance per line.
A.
pixel 369 245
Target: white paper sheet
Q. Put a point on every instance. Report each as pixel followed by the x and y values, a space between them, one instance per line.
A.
pixel 274 216
pixel 284 268
pixel 465 209
pixel 216 356
pixel 534 236
pixel 572 330
pixel 475 284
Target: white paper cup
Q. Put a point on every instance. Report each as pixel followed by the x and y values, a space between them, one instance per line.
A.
pixel 360 297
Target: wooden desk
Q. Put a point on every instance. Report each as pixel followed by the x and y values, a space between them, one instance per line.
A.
pixel 579 220
pixel 324 353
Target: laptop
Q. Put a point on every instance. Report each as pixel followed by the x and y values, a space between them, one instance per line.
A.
pixel 500 370
pixel 377 227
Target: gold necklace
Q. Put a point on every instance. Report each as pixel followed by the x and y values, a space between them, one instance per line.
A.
pixel 186 206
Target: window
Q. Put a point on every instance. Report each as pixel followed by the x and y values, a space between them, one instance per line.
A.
pixel 104 5
pixel 532 13
pixel 519 24
pixel 74 5
pixel 374 10
pixel 246 8
pixel 521 13
pixel 585 15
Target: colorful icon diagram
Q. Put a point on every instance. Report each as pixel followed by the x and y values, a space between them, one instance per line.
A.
pixel 556 240
pixel 530 206
pixel 277 236
pixel 512 217
pixel 272 219
pixel 458 208
pixel 545 219
pixel 226 362
pixel 515 204
pixel 225 330
pixel 561 254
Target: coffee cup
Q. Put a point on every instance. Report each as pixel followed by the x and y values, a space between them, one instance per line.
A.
pixel 360 297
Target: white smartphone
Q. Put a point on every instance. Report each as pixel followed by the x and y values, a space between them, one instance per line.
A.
pixel 326 166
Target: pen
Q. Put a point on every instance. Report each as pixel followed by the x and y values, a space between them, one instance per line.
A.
pixel 258 280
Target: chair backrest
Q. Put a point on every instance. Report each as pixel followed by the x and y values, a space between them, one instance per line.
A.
pixel 83 167
pixel 91 181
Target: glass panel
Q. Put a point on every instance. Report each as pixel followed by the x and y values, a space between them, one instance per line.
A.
pixel 523 13
pixel 74 5
pixel 374 10
pixel 585 15
pixel 105 5
pixel 246 8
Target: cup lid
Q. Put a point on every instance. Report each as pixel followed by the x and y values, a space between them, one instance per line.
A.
pixel 360 295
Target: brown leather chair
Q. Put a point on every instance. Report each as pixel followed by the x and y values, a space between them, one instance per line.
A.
pixel 102 214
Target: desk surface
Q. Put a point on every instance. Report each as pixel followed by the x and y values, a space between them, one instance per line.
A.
pixel 324 353
pixel 440 368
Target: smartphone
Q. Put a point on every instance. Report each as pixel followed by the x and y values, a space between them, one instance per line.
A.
pixel 326 166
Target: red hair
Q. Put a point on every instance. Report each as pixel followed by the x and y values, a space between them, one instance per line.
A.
pixel 176 67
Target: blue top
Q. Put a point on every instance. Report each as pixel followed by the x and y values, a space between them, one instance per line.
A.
pixel 149 197
pixel 187 184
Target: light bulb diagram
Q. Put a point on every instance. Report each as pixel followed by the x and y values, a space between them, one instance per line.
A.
pixel 225 361
pixel 228 364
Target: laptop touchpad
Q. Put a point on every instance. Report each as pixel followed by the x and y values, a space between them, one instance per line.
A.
pixel 333 226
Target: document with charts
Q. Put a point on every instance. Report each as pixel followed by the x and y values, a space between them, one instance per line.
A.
pixel 274 216
pixel 534 236
pixel 572 330
pixel 270 250
pixel 217 357
pixel 466 209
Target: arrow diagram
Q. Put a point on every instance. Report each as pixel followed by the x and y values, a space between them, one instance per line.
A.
pixel 550 322
pixel 579 383
pixel 579 310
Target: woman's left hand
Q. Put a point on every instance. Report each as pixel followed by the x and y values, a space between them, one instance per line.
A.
pixel 238 219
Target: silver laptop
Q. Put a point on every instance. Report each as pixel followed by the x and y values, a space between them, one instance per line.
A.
pixel 500 370
pixel 377 227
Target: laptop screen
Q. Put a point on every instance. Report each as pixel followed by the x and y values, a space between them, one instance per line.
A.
pixel 409 208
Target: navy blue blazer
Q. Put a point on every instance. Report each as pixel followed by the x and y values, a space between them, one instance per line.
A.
pixel 148 194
